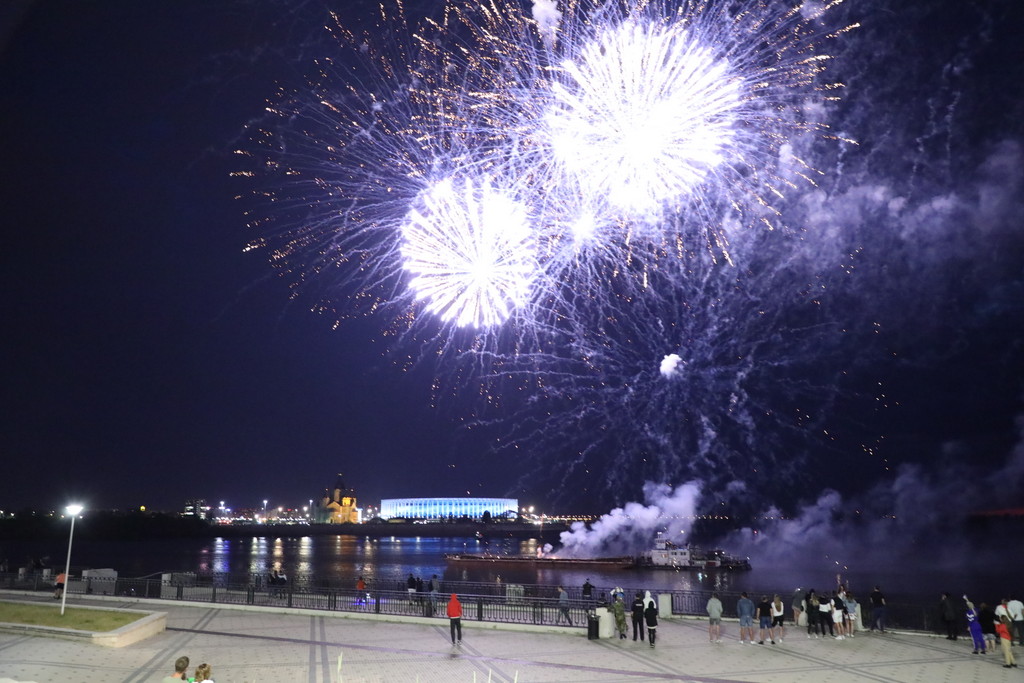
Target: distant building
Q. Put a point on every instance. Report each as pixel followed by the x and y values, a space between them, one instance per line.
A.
pixel 447 508
pixel 338 506
pixel 196 507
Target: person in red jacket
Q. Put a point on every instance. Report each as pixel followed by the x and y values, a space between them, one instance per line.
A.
pixel 455 618
pixel 1003 631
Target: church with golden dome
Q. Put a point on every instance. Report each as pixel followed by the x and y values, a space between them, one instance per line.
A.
pixel 338 506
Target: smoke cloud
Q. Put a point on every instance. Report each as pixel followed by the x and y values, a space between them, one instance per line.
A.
pixel 630 529
pixel 932 515
pixel 548 18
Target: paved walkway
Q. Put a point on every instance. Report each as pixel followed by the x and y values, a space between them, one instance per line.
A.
pixel 270 646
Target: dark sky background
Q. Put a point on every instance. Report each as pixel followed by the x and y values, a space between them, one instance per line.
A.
pixel 147 359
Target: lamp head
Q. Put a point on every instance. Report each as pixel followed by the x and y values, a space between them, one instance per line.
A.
pixel 74 510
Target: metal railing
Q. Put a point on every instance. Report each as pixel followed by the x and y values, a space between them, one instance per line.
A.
pixel 494 602
pixel 508 608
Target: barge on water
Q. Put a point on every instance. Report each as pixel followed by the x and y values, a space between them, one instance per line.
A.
pixel 668 555
pixel 664 555
pixel 623 562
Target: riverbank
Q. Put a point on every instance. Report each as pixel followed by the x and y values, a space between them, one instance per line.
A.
pixel 102 525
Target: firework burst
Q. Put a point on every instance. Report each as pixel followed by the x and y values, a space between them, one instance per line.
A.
pixel 469 249
pixel 621 134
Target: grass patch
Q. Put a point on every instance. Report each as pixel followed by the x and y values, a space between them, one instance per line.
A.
pixel 74 617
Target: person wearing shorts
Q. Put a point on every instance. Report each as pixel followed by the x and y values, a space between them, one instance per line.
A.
pixel 778 616
pixel 714 609
pixel 764 618
pixel 838 606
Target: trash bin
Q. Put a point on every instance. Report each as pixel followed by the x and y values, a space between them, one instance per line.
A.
pixel 593 626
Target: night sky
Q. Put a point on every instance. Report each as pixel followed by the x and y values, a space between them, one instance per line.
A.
pixel 148 359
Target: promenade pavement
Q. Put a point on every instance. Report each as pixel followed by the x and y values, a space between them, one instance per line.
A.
pixel 263 645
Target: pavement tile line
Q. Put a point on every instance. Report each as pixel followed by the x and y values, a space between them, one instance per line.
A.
pixel 163 659
pixel 313 648
pixel 634 655
pixel 474 658
pixel 478 658
pixel 325 655
pixel 17 641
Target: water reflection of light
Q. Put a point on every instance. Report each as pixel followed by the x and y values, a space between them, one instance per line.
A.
pixel 221 555
pixel 304 566
pixel 204 559
pixel 278 554
pixel 258 555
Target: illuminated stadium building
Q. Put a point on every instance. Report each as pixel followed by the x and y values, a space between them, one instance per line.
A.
pixel 445 508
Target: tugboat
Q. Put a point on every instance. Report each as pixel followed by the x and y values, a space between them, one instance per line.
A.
pixel 668 555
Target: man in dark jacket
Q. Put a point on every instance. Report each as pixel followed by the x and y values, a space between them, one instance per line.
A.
pixel 638 616
pixel 877 610
pixel 948 615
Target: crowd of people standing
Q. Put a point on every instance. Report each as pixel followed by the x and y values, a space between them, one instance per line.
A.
pixel 837 615
pixel 986 625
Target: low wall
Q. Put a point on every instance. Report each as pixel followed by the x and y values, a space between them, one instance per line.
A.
pixel 149 624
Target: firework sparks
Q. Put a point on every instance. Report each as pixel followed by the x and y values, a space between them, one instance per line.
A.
pixel 621 134
pixel 742 379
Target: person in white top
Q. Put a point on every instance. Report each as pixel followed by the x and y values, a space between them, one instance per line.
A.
pixel 1002 610
pixel 778 617
pixel 1016 609
pixel 837 617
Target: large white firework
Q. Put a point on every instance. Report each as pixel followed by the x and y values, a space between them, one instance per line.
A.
pixel 621 135
pixel 469 247
pixel 641 116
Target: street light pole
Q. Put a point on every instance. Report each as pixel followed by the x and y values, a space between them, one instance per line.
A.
pixel 74 511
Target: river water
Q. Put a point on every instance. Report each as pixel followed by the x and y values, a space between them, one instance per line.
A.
pixel 388 561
